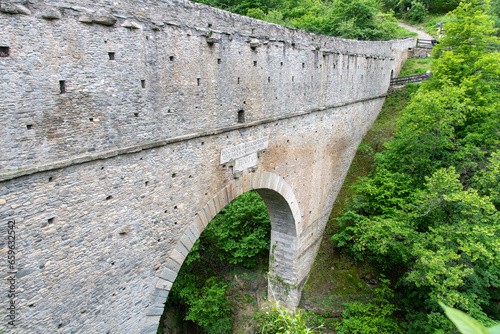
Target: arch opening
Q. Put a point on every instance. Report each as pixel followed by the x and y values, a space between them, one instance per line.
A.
pixel 226 268
pixel 284 216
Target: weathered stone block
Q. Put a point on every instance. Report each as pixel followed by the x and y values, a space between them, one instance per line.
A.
pixel 86 18
pixel 155 310
pixel 14 8
pixel 51 14
pixel 169 275
pixel 150 328
pixel 161 293
pixel 177 257
pixel 104 18
pixel 163 285
pixel 187 242
pixel 131 24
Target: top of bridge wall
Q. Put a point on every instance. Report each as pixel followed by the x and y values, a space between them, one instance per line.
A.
pixel 153 14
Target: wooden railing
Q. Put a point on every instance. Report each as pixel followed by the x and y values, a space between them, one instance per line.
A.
pixel 412 78
pixel 426 43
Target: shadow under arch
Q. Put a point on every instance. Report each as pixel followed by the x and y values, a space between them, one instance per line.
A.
pixel 285 217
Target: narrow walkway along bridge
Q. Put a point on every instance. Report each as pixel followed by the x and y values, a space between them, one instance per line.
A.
pixel 127 125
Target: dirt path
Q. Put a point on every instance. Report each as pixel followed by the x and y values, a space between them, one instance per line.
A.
pixel 421 33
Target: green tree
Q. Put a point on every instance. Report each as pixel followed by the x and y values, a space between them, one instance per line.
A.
pixel 488 180
pixel 455 243
pixel 417 11
pixel 494 12
pixel 242 230
pixel 468 54
pixel 376 317
pixel 357 19
pixel 206 300
pixel 419 213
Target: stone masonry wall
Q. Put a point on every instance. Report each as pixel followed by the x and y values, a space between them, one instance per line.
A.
pixel 105 178
pixel 189 84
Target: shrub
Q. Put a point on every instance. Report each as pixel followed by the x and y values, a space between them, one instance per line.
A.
pixel 279 320
pixel 208 306
pixel 242 230
pixel 371 318
pixel 417 11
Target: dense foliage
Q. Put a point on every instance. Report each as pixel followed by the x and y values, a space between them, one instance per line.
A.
pixel 429 211
pixel 375 317
pixel 416 10
pixel 238 234
pixel 241 230
pixel 354 19
pixel 494 12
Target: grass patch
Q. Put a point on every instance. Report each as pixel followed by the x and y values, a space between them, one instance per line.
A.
pixel 416 66
pixel 400 32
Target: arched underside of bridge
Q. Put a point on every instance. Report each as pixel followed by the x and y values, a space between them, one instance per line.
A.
pixel 285 277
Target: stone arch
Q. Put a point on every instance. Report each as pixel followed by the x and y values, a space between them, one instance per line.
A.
pixel 285 216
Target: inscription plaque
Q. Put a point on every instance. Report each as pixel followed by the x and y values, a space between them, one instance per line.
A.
pixel 245 162
pixel 243 149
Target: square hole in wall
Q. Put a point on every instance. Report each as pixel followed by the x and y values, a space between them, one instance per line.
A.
pixel 4 51
pixel 241 116
pixel 111 55
pixel 143 83
pixel 62 86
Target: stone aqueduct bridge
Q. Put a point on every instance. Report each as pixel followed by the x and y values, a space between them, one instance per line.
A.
pixel 127 125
